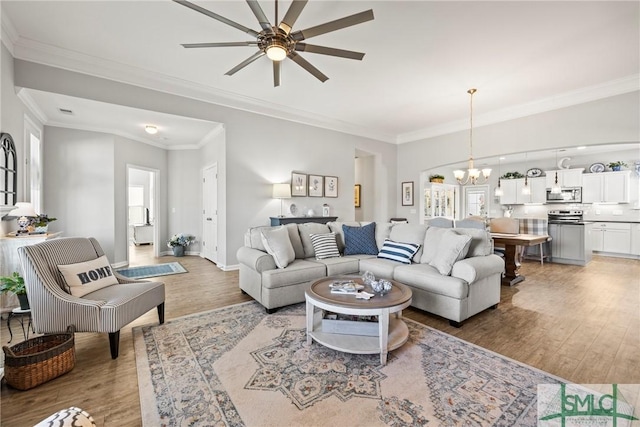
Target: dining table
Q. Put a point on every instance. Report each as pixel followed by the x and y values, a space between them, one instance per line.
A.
pixel 511 254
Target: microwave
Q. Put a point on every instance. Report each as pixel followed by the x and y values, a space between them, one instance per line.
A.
pixel 566 195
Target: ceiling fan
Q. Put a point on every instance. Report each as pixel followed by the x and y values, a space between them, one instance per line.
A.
pixel 280 42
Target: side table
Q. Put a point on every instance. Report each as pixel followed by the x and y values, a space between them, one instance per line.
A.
pixel 20 314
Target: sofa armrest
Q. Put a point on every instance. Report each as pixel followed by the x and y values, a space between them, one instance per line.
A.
pixel 477 268
pixel 256 259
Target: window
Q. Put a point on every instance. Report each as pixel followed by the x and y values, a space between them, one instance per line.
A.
pixel 9 170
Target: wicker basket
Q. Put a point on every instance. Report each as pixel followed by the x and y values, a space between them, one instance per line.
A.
pixel 38 360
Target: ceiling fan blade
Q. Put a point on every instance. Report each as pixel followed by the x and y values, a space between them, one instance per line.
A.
pixel 292 15
pixel 338 24
pixel 221 44
pixel 217 17
pixel 259 13
pixel 276 73
pixel 323 50
pixel 244 63
pixel 307 66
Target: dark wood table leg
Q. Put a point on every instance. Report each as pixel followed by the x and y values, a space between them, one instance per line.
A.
pixel 511 276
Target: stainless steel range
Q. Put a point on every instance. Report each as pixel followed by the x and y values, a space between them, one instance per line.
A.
pixel 565 216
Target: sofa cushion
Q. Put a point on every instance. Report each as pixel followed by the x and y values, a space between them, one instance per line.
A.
pixel 360 240
pixel 381 268
pixel 253 238
pixel 431 244
pixel 480 241
pixel 277 243
pixel 453 247
pixel 306 230
pixel 85 277
pixel 324 245
pixel 409 233
pixel 428 278
pixel 294 236
pixel 299 271
pixel 336 227
pixel 398 251
pixel 383 230
pixel 340 266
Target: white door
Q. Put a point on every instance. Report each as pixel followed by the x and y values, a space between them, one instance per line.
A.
pixel 210 213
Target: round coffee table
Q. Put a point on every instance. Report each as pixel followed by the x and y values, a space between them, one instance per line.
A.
pixel 392 331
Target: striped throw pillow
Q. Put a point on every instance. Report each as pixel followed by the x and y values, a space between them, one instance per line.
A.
pixel 324 245
pixel 396 251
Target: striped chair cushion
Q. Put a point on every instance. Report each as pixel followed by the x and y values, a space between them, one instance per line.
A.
pixel 397 251
pixel 324 245
pixel 70 417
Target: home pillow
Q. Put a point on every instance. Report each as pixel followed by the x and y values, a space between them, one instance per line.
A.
pixel 480 241
pixel 397 251
pixel 277 243
pixel 360 240
pixel 85 277
pixel 453 247
pixel 324 245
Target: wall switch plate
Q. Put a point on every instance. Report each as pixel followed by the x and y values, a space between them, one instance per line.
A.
pixel 617 212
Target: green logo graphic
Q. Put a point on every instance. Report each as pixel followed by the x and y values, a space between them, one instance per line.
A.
pixel 579 405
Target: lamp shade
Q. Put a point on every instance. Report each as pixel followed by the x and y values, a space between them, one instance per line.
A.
pixel 23 209
pixel 281 191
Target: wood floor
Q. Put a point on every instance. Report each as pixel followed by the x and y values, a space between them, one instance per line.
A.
pixel 579 323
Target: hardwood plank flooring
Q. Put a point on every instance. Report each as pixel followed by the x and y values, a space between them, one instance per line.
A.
pixel 579 323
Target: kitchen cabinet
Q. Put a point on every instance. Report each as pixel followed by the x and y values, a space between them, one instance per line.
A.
pixel 606 187
pixel 440 200
pixel 612 237
pixel 566 177
pixel 571 243
pixel 142 234
pixel 635 239
pixel 512 191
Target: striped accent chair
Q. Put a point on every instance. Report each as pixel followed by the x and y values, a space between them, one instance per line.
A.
pixel 105 310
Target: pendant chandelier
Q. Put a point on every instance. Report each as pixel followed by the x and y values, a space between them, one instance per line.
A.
pixel 499 192
pixel 526 190
pixel 555 188
pixel 473 173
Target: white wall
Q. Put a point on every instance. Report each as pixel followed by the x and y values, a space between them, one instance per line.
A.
pixel 610 120
pixel 184 192
pixel 365 176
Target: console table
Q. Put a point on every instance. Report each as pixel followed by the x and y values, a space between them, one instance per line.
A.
pixel 277 220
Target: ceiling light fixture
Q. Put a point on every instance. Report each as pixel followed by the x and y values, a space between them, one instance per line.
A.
pixel 150 129
pixel 555 188
pixel 499 192
pixel 526 190
pixel 276 51
pixel 474 174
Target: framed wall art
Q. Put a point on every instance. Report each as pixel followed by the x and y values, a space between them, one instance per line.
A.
pixel 298 184
pixel 330 186
pixel 357 195
pixel 316 184
pixel 407 193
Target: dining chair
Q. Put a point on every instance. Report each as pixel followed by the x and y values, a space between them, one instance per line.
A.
pixel 538 226
pixel 440 222
pixel 506 226
pixel 58 300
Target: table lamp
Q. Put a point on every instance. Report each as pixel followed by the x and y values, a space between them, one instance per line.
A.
pixel 23 211
pixel 281 191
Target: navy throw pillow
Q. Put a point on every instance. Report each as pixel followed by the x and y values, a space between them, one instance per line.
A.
pixel 360 240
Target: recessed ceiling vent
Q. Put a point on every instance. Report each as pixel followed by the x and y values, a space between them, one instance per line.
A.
pixel 65 111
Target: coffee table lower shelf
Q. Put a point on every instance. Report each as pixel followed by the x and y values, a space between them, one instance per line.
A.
pixel 361 344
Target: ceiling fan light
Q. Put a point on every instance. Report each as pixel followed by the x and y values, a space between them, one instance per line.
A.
pixel 275 52
pixel 150 129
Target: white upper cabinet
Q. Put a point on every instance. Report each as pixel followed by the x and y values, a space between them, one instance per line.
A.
pixel 606 187
pixel 566 177
pixel 512 191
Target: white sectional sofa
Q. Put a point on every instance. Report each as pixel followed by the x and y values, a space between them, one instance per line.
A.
pixel 453 274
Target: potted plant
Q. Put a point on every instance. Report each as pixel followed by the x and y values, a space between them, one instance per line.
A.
pixel 178 242
pixel 41 222
pixel 436 178
pixel 15 284
pixel 512 175
pixel 616 166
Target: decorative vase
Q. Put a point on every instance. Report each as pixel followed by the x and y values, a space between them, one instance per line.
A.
pixel 24 301
pixel 438 180
pixel 615 168
pixel 178 251
pixel 43 229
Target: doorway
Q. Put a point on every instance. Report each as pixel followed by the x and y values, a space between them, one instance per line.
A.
pixel 210 213
pixel 142 212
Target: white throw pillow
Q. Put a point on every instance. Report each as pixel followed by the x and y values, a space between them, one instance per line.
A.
pixel 453 247
pixel 277 243
pixel 85 277
pixel 325 245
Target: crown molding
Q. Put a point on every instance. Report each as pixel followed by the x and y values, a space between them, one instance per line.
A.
pixel 32 106
pixel 592 93
pixel 33 51
pixel 211 135
pixel 8 33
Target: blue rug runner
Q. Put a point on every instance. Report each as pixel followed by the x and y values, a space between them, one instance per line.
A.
pixel 145 271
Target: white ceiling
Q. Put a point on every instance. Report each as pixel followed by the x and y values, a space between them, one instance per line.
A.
pixel 421 57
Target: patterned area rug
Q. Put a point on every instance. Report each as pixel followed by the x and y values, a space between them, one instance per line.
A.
pixel 239 366
pixel 145 271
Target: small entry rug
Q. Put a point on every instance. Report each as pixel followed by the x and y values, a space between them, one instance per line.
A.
pixel 145 271
pixel 238 366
